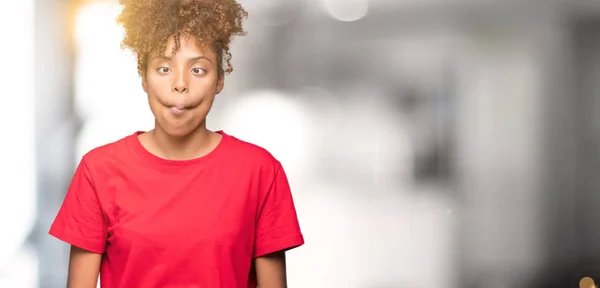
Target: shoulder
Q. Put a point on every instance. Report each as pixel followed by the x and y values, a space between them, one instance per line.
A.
pixel 112 152
pixel 252 154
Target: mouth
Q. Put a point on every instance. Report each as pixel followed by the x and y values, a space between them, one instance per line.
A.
pixel 179 108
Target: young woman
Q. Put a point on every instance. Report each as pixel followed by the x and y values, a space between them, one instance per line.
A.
pixel 179 206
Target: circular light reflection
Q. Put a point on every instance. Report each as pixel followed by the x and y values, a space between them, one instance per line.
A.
pixel 347 10
pixel 276 122
pixel 99 57
pixel 96 25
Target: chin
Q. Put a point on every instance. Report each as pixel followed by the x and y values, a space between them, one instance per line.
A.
pixel 178 133
pixel 179 130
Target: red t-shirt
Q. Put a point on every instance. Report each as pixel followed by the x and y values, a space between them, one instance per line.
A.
pixel 192 223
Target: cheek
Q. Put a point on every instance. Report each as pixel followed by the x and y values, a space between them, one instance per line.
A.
pixel 155 100
pixel 158 96
pixel 156 108
pixel 157 87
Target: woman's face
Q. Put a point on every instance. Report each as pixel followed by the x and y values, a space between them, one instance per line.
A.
pixel 181 87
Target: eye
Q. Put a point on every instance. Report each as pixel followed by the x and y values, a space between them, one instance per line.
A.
pixel 163 70
pixel 198 71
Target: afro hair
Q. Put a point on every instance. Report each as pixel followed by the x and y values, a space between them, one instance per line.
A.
pixel 149 24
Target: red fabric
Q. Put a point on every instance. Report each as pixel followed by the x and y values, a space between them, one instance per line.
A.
pixel 194 223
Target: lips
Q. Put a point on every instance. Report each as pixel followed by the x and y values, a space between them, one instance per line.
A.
pixel 178 109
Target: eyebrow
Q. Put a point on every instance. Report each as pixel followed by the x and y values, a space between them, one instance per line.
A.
pixel 193 59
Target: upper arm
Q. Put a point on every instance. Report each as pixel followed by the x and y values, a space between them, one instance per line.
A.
pixel 81 220
pixel 277 227
pixel 277 230
pixel 270 270
pixel 84 267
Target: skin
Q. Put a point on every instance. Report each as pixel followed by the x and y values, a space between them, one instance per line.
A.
pixel 181 89
pixel 84 267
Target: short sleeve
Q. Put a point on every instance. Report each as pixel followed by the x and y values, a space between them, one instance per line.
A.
pixel 277 226
pixel 80 220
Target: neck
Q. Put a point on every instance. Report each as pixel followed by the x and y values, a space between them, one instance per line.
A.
pixel 196 144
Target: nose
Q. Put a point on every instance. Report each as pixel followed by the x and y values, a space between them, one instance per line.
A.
pixel 180 85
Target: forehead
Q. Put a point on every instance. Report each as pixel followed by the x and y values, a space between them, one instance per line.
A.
pixel 188 47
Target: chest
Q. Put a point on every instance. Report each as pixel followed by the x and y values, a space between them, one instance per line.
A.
pixel 181 210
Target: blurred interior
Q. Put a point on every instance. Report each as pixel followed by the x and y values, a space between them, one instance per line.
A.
pixel 429 143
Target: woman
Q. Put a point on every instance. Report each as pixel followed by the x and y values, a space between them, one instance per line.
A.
pixel 179 206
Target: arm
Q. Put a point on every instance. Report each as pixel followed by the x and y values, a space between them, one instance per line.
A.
pixel 84 267
pixel 270 270
pixel 277 231
pixel 81 222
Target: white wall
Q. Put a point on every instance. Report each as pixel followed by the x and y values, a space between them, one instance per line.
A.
pixel 17 151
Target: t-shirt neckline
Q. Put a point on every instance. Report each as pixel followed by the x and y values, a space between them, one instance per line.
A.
pixel 141 151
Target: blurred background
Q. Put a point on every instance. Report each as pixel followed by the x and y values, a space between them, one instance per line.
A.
pixel 429 143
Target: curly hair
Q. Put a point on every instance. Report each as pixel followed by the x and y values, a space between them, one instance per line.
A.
pixel 149 24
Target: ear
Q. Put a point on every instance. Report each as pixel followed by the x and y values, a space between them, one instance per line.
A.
pixel 220 83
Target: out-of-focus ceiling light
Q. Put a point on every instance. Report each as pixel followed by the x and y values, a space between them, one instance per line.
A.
pixel 346 10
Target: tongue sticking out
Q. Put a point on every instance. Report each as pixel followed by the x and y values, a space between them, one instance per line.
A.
pixel 178 109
